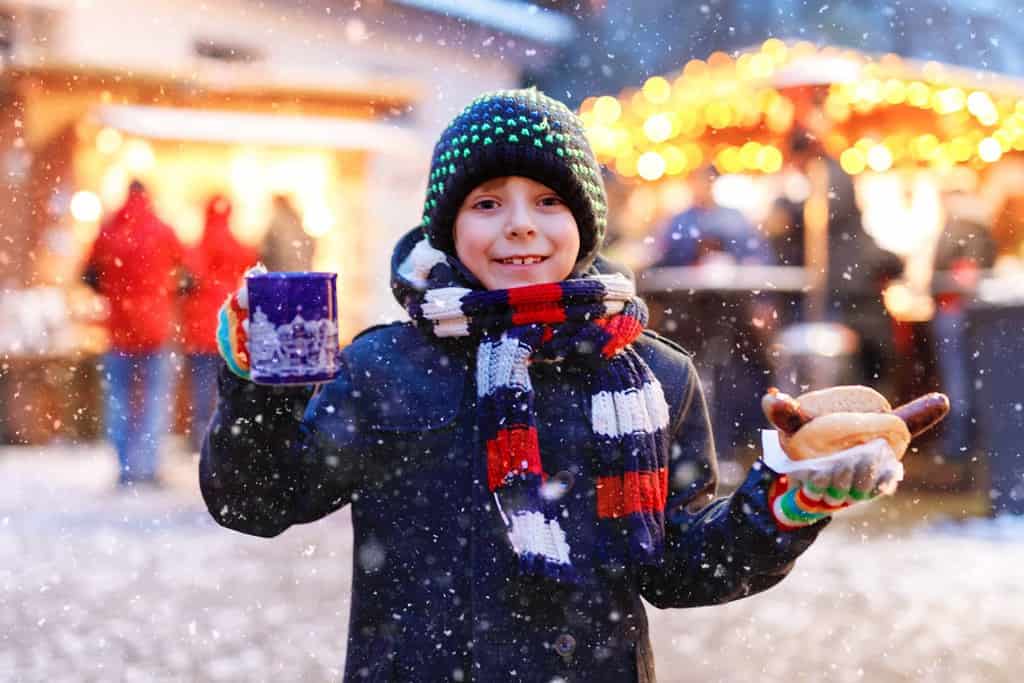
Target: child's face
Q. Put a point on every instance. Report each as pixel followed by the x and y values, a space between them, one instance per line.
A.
pixel 513 231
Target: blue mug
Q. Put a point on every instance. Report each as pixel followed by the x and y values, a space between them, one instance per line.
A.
pixel 293 328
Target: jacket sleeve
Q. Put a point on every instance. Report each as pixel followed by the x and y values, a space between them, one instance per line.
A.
pixel 273 457
pixel 716 550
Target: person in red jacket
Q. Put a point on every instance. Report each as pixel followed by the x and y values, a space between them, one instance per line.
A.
pixel 135 263
pixel 216 266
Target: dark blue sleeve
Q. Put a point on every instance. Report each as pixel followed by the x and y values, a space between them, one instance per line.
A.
pixel 716 550
pixel 273 457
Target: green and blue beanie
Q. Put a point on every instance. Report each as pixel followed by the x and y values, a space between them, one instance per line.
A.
pixel 515 133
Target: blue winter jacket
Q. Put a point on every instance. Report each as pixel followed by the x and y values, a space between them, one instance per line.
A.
pixel 435 593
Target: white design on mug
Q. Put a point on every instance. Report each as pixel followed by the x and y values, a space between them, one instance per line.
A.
pixel 301 348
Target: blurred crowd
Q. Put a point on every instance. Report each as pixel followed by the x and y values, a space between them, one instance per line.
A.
pixel 162 295
pixel 735 334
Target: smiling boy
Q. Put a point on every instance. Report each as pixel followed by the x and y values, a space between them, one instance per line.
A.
pixel 524 462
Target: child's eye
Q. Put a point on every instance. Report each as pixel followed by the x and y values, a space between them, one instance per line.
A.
pixel 551 200
pixel 485 204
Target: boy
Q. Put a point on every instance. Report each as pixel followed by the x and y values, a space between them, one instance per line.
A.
pixel 523 461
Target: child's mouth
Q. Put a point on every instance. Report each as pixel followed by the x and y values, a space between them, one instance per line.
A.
pixel 520 260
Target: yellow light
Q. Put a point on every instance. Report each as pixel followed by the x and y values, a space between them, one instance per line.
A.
pixel 86 207
pixel 769 159
pixel 894 91
pixel 728 160
pixel 675 160
pixel 657 90
pixel 918 94
pixel 607 110
pixel 869 91
pixel 924 146
pixel 982 108
pixel 989 150
pixel 779 115
pixel 775 48
pixel 694 155
pixel 108 141
pixel 961 149
pixel 658 128
pixel 625 165
pixel 138 156
pixel 695 68
pixel 837 107
pixel 748 154
pixel 879 158
pixel 602 139
pixel 718 115
pixel 687 119
pixel 948 101
pixel 761 66
pixel 650 166
pixel 852 161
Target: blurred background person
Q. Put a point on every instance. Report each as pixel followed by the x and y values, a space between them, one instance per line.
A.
pixel 858 269
pixel 1008 232
pixel 215 267
pixel 965 247
pixel 287 247
pixel 135 263
pixel 728 331
pixel 783 227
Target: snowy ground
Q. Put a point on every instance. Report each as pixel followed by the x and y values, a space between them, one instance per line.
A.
pixel 104 586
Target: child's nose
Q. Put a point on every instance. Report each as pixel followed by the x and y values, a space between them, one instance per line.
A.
pixel 520 223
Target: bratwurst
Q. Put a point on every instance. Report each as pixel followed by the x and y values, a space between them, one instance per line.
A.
pixel 831 420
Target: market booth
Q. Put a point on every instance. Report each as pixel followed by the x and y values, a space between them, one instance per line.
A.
pixel 334 108
pixel 908 133
pixel 88 143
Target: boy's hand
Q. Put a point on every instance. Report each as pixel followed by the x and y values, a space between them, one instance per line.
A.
pixel 233 328
pixel 861 473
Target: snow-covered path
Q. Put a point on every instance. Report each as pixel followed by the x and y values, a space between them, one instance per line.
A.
pixel 104 586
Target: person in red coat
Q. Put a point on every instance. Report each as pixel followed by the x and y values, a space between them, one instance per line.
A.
pixel 216 266
pixel 135 263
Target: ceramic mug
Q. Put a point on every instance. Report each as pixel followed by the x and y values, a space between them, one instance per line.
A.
pixel 293 328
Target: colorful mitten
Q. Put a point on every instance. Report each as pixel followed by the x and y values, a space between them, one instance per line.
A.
pixel 233 328
pixel 835 482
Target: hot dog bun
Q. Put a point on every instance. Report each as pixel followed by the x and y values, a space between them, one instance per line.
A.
pixel 844 417
pixel 854 398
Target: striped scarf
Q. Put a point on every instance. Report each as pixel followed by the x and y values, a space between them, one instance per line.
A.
pixel 592 321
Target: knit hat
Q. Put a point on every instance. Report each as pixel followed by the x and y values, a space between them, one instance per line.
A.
pixel 515 133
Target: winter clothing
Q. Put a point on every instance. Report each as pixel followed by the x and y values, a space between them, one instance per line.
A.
pixel 202 372
pixel 134 263
pixel 965 247
pixel 287 247
pixel 516 133
pixel 729 350
pixel 592 322
pixel 838 481
pixel 438 590
pixel 136 430
pixel 216 266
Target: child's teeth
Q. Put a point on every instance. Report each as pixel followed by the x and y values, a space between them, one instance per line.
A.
pixel 522 261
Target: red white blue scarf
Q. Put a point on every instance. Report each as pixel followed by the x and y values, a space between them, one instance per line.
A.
pixel 591 321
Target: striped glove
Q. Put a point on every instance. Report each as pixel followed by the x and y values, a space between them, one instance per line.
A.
pixel 835 482
pixel 233 328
